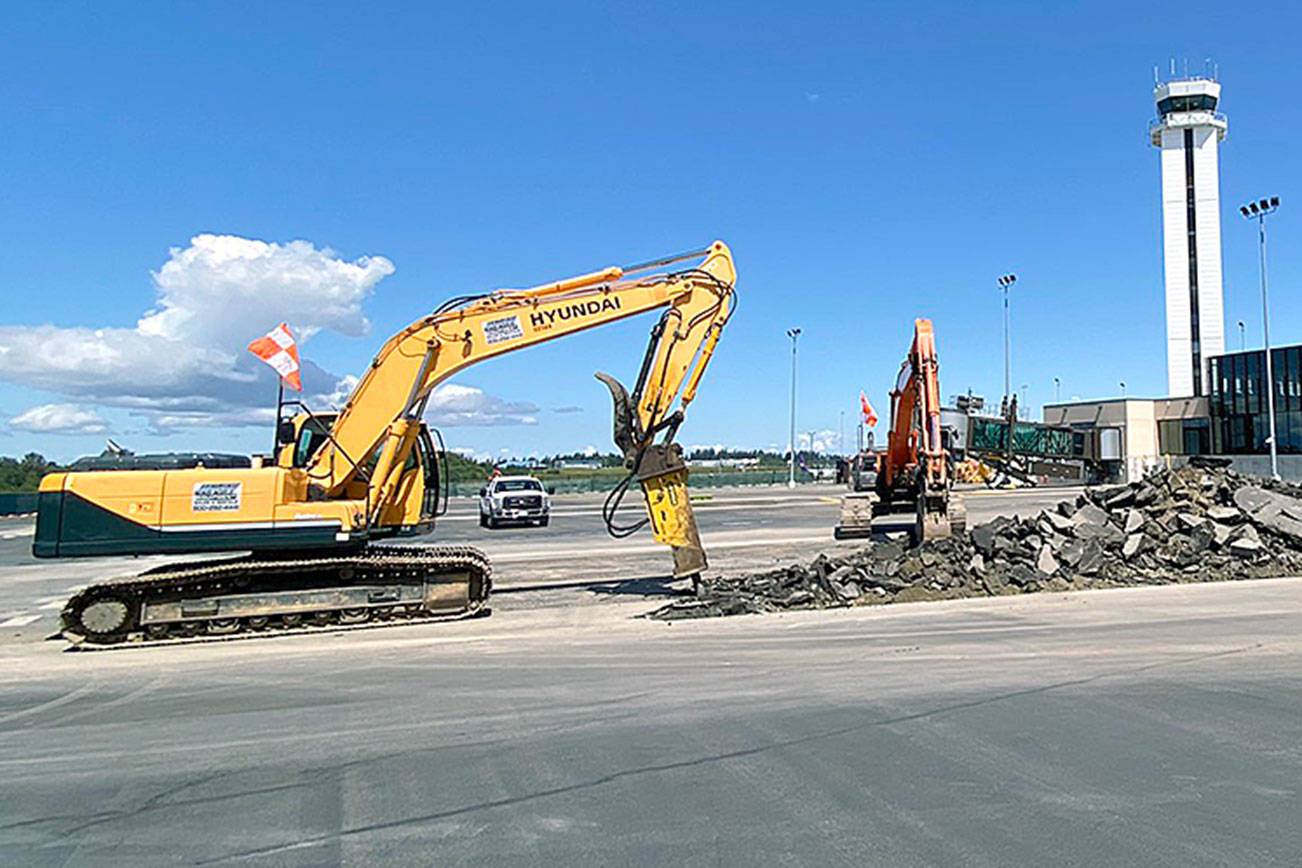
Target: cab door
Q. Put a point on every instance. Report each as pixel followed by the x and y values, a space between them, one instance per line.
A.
pixel 434 500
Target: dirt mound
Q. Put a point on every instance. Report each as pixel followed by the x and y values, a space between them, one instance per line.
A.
pixel 1196 524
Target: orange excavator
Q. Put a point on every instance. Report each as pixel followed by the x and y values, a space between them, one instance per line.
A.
pixel 913 475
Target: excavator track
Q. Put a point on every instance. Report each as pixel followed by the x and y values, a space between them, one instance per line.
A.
pixel 257 595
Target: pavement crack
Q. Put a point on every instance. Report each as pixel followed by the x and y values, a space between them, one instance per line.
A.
pixel 660 768
pixel 153 803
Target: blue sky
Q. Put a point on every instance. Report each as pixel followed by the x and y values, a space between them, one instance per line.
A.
pixel 868 163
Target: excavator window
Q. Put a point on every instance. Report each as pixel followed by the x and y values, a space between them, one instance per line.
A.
pixel 310 437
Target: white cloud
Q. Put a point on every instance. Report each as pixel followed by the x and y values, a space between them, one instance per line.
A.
pixel 184 365
pixel 222 291
pixel 59 419
pixel 452 404
pixel 823 441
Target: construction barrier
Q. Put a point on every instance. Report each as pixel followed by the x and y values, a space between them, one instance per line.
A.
pixel 696 480
pixel 17 504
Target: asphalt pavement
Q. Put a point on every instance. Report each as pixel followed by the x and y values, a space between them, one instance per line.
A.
pixel 1153 726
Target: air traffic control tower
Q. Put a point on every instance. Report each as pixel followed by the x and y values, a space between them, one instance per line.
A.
pixel 1189 130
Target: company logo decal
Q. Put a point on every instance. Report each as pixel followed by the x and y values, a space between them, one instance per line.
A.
pixel 547 318
pixel 216 497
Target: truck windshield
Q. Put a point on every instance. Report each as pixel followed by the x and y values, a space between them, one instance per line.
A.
pixel 518 485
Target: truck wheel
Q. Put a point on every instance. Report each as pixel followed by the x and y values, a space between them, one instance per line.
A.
pixel 483 520
pixel 491 523
pixel 542 522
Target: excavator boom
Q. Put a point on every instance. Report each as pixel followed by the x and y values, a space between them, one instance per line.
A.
pixel 466 331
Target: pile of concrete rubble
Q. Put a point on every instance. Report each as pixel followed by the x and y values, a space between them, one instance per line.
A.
pixel 1195 524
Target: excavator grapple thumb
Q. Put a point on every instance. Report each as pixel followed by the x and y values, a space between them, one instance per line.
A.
pixel 625 427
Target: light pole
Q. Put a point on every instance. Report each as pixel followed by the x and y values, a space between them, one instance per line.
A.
pixel 1005 282
pixel 1057 390
pixel 1258 211
pixel 791 474
pixel 840 435
pixel 1243 341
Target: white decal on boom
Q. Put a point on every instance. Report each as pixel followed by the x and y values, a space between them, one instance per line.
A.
pixel 505 329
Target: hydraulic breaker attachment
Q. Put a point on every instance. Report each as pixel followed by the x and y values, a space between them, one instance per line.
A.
pixel 662 473
pixel 663 476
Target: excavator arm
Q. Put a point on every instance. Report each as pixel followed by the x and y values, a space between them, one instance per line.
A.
pixel 378 426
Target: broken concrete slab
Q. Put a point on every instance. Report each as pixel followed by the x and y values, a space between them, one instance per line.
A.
pixel 1046 563
pixel 1271 510
pixel 1089 515
pixel 1107 534
pixel 1224 514
pixel 1246 547
pixel 1058 521
pixel 983 537
pixel 1091 559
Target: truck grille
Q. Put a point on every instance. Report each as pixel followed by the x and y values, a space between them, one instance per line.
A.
pixel 524 501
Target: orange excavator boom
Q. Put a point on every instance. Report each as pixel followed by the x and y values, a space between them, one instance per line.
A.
pixel 914 469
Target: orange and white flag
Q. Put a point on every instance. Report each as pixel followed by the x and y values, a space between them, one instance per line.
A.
pixel 278 349
pixel 869 414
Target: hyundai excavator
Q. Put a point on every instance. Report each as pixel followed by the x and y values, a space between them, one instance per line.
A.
pixel 913 475
pixel 313 520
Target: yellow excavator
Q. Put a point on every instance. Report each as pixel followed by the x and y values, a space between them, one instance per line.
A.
pixel 312 520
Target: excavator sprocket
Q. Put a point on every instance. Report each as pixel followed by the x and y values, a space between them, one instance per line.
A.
pixel 253 595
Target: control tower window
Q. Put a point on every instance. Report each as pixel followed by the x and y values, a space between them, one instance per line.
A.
pixel 1199 102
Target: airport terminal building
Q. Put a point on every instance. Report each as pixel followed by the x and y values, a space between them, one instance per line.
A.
pixel 1138 434
pixel 1238 411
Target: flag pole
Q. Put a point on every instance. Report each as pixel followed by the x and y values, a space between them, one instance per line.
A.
pixel 275 433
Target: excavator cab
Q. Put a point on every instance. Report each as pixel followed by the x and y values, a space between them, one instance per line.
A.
pixel 298 438
pixel 423 485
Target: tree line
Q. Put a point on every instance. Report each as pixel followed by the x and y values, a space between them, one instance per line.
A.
pixel 23 474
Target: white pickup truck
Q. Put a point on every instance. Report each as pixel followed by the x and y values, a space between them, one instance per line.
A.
pixel 513 499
